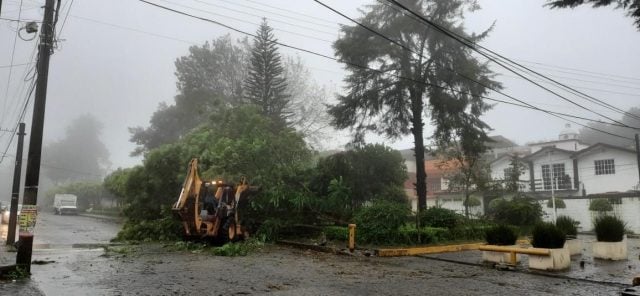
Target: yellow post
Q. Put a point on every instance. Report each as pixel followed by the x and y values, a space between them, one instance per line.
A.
pixel 514 258
pixel 352 237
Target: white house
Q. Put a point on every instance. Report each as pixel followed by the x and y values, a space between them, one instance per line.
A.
pixel 568 139
pixel 605 168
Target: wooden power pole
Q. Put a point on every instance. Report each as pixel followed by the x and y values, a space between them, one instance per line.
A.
pixel 15 192
pixel 25 244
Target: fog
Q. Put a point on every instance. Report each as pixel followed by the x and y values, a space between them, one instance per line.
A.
pixel 115 61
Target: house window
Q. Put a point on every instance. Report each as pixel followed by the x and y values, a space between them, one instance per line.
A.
pixel 507 173
pixel 558 172
pixel 605 167
pixel 546 177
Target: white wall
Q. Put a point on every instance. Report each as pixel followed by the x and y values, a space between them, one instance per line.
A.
pixel 498 167
pixel 624 179
pixel 578 209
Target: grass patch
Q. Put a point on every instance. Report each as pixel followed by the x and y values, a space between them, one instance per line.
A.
pixel 16 274
pixel 234 249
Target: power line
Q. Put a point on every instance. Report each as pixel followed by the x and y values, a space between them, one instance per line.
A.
pixel 475 47
pixel 132 29
pixel 289 11
pixel 583 71
pixel 323 55
pixel 244 21
pixel 64 22
pixel 306 19
pixel 13 51
pixel 587 88
pixel 14 65
pixel 464 76
pixel 271 19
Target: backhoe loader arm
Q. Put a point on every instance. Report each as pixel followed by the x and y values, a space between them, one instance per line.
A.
pixel 190 187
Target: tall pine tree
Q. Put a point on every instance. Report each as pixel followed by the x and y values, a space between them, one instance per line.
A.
pixel 265 85
pixel 436 76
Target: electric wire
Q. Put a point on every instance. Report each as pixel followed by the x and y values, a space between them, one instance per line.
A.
pixel 290 11
pixel 419 54
pixel 244 21
pixel 476 47
pixel 598 74
pixel 13 52
pixel 328 24
pixel 64 22
pixel 268 18
pixel 323 55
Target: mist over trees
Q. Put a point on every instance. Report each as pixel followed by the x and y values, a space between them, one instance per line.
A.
pixel 79 155
pixel 381 101
pixel 592 136
pixel 210 77
pixel 228 73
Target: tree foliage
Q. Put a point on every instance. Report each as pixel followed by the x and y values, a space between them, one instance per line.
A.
pixel 369 172
pixel 238 142
pixel 520 211
pixel 466 170
pixel 391 99
pixel 266 85
pixel 209 78
pixel 307 102
pixel 632 6
pixel 80 155
pixel 592 136
pixel 515 170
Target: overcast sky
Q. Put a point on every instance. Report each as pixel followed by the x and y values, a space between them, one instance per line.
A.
pixel 115 59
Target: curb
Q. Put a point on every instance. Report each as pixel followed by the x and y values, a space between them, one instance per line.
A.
pixel 317 248
pixel 101 217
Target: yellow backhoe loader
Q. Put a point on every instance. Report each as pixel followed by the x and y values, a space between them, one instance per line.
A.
pixel 209 209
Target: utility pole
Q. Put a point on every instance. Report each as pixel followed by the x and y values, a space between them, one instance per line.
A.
pixel 15 193
pixel 638 156
pixel 37 125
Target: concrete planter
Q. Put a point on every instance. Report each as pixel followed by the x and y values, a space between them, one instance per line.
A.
pixel 611 250
pixel 558 259
pixel 574 246
pixel 499 257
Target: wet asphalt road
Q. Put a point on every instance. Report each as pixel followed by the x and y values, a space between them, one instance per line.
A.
pixel 149 269
pixel 66 231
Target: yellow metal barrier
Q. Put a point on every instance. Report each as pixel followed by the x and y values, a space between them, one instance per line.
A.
pixel 515 250
pixel 352 237
pixel 426 250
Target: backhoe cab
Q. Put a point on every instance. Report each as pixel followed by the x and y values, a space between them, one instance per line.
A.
pixel 209 209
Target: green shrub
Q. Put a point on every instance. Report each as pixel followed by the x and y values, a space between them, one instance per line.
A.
pixel 494 203
pixel 547 235
pixel 568 225
pixel 609 229
pixel 380 222
pixel 600 205
pixel 270 229
pixel 468 233
pixel 473 202
pixel 440 217
pixel 559 204
pixel 336 233
pixel 167 228
pixel 408 235
pixel 501 235
pixel 521 211
pixel 238 249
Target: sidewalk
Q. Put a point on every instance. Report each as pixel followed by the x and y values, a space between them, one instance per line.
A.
pixel 583 266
